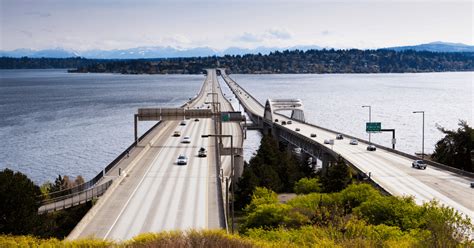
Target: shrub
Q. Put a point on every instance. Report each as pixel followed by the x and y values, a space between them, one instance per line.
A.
pixel 307 185
pixel 261 196
pixel 391 211
pixel 268 216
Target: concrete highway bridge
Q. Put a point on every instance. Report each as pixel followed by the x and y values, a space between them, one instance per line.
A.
pixel 144 190
pixel 389 169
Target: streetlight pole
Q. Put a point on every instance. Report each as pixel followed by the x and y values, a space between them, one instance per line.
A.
pixel 232 167
pixel 422 134
pixel 370 117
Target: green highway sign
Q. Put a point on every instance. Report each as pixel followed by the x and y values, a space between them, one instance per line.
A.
pixel 225 116
pixel 373 126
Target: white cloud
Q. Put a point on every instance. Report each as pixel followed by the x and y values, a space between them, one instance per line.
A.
pixel 279 33
pixel 249 37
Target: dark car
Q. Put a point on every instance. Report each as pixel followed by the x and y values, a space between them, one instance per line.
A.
pixel 371 148
pixel 202 152
pixel 339 136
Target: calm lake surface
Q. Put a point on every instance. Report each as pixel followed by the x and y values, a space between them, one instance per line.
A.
pixel 52 122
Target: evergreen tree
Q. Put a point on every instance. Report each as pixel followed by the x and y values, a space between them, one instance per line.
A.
pixel 336 177
pixel 456 148
pixel 19 203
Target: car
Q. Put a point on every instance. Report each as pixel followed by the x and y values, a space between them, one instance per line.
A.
pixel 183 123
pixel 196 119
pixel 420 164
pixel 313 135
pixel 276 120
pixel 354 142
pixel 202 152
pixel 371 148
pixel 297 129
pixel 177 133
pixel 339 136
pixel 186 139
pixel 289 122
pixel 472 184
pixel 283 122
pixel 182 160
pixel 326 141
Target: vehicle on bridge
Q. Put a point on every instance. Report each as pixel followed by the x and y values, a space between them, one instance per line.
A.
pixel 339 136
pixel 371 148
pixel 182 160
pixel 354 142
pixel 420 164
pixel 186 140
pixel 183 123
pixel 177 133
pixel 289 122
pixel 283 122
pixel 313 135
pixel 202 152
pixel 329 141
pixel 297 129
pixel 196 119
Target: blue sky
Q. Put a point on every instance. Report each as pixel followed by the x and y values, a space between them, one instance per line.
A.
pixel 109 24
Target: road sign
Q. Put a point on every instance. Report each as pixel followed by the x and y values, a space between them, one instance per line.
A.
pixel 225 116
pixel 231 116
pixel 373 126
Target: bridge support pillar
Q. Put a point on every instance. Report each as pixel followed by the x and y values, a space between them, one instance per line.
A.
pixel 239 167
pixel 326 159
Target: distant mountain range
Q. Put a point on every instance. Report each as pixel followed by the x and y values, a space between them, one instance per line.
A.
pixel 171 52
pixel 437 46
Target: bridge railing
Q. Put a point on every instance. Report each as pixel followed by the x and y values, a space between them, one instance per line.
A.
pixel 90 184
pixel 74 199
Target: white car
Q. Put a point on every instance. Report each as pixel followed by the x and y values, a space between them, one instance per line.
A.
pixel 420 164
pixel 182 160
pixel 354 142
pixel 186 140
pixel 329 141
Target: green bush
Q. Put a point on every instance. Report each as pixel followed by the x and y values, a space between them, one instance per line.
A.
pixel 391 211
pixel 307 185
pixel 261 196
pixel 268 216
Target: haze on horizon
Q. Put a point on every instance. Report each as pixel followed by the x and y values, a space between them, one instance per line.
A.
pixel 120 24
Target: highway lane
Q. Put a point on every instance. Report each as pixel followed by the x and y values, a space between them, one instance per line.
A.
pixel 172 196
pixel 157 194
pixel 391 171
pixel 228 128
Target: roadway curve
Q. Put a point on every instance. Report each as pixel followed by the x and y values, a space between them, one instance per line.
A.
pixel 157 194
pixel 391 171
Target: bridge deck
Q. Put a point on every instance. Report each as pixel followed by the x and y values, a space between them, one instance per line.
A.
pixel 156 194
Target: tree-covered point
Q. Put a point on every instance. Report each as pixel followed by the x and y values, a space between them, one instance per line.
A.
pixel 456 149
pixel 295 61
pixel 20 199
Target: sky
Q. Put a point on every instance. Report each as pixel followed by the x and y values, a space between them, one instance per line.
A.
pixel 120 24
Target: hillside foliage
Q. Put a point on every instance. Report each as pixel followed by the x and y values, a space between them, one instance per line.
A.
pixel 295 61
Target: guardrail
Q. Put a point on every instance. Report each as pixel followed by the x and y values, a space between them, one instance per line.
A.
pixel 74 199
pixel 89 184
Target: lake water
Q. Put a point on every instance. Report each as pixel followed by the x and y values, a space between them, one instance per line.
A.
pixel 52 122
pixel 335 101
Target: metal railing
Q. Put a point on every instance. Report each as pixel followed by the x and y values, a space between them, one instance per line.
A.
pixel 67 201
